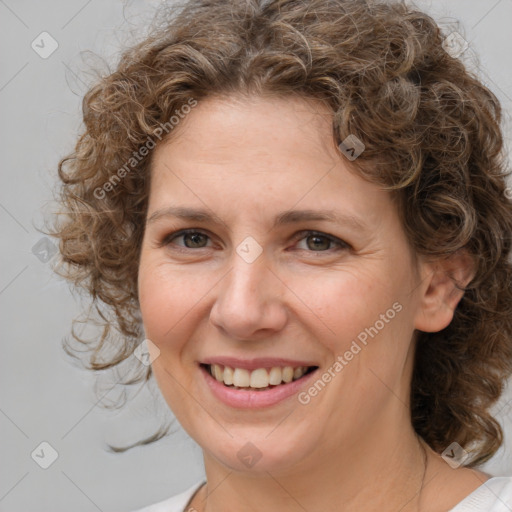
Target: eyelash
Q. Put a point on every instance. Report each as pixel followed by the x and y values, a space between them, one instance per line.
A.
pixel 297 237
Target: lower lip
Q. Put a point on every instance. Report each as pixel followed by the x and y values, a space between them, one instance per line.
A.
pixel 245 399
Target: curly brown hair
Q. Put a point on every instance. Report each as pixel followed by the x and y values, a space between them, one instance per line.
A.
pixel 432 137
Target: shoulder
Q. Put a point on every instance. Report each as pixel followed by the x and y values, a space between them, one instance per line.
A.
pixel 494 495
pixel 176 503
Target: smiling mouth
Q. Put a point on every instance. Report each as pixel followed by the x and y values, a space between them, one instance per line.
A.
pixel 260 379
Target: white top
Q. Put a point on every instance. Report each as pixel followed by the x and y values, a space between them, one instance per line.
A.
pixel 177 503
pixel 495 495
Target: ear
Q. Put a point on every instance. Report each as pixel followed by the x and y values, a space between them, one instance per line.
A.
pixel 442 289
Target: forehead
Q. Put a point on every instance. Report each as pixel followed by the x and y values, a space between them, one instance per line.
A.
pixel 222 129
pixel 258 154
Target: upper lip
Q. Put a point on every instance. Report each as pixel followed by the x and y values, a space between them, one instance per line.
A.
pixel 253 364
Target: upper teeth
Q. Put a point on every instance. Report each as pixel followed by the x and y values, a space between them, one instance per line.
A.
pixel 259 378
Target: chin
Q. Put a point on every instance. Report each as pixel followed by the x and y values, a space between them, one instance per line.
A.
pixel 265 449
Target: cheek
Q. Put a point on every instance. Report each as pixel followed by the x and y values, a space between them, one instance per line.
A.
pixel 342 305
pixel 169 300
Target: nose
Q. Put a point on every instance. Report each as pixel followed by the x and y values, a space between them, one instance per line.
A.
pixel 249 301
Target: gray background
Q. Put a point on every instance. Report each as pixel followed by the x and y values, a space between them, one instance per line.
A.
pixel 43 396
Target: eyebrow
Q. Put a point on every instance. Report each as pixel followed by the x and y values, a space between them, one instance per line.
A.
pixel 281 219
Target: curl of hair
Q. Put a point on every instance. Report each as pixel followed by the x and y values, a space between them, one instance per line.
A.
pixel 432 137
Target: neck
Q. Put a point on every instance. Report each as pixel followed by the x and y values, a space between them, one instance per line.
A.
pixel 385 474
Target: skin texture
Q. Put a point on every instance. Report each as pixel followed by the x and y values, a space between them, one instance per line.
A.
pixel 246 160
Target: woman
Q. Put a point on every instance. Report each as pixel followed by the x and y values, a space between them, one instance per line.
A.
pixel 302 207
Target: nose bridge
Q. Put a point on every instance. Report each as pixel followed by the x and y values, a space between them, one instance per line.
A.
pixel 245 280
pixel 248 299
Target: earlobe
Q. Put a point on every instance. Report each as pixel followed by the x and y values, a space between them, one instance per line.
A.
pixel 442 289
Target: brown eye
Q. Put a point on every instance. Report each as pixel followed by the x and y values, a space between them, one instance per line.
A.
pixel 320 242
pixel 195 240
pixel 192 239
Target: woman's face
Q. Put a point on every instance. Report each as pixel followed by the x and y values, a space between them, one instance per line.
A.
pixel 292 260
